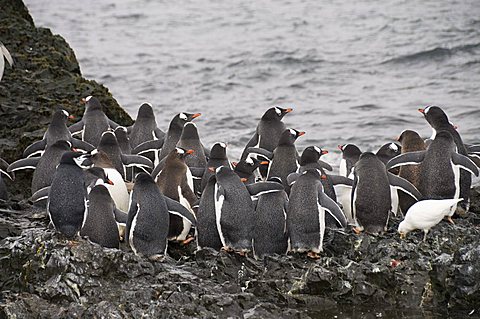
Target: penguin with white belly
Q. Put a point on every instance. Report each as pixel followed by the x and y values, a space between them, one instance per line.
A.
pixel 350 155
pixel 234 210
pixel 207 232
pixel 439 168
pixel 306 212
pixel 148 220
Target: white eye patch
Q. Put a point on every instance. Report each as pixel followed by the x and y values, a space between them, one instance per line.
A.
pixel 180 151
pixel 249 161
pixel 183 116
pixel 88 98
pixel 279 112
pixel 318 150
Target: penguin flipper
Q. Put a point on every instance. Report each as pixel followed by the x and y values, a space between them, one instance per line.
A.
pixel 292 178
pixel 136 161
pixel 251 143
pixel 260 151
pixel 465 163
pixel 120 216
pixel 24 163
pixel 404 185
pixel 325 165
pixel 76 128
pixel 178 209
pixel 332 208
pixel 341 180
pixel 6 54
pixel 148 146
pixel 35 148
pixel 132 212
pixel 472 148
pixel 76 143
pixel 260 188
pixel 40 195
pixel 410 158
pixel 4 169
pixel 158 169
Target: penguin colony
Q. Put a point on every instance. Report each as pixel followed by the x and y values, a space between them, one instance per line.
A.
pixel 147 187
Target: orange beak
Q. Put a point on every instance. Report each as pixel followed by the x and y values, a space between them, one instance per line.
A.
pixel 109 182
pixel 324 152
pixel 234 164
pixel 421 111
pixel 243 179
pixel 340 147
pixel 324 177
pixel 288 110
pixel 211 169
pixel 194 116
pixel 71 117
pixel 190 152
pixel 264 162
pixel 301 133
pixel 75 149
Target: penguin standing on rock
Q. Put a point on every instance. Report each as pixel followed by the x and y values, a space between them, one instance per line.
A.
pixel 67 197
pixel 149 218
pixel 174 183
pixel 306 212
pixel 439 168
pixel 234 211
pixel 438 120
pixel 174 132
pixel 207 232
pixel 270 231
pixel 93 123
pixel 371 198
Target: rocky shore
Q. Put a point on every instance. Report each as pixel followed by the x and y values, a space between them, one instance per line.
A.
pixel 45 276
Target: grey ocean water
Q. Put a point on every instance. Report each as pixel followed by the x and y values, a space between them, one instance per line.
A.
pixel 354 71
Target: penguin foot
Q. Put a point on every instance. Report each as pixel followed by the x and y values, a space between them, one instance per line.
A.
pixel 72 243
pixel 188 240
pixel 357 230
pixel 227 249
pixel 313 255
pixel 450 220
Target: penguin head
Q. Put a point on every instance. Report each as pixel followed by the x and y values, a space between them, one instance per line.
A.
pixel 289 136
pixel 350 151
pixel 435 116
pixel 222 170
pixel 190 131
pixel 92 103
pixel 61 116
pixel 62 145
pixel 446 137
pixel 389 150
pixel 121 132
pixel 145 111
pixel 108 139
pixel 142 178
pixel 100 159
pixel 219 151
pixel 181 118
pixel 408 136
pixel 98 176
pixel 311 155
pixel 247 165
pixel 275 113
pixel 181 153
pixel 73 158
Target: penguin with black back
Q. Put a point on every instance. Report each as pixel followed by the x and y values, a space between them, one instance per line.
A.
pixel 100 225
pixel 245 169
pixel 207 232
pixel 44 166
pixel 235 215
pixel 56 131
pixel 306 212
pixel 218 157
pixel 270 232
pixel 440 164
pixel 371 197
pixel 439 121
pixel 122 139
pixel 93 123
pixel 148 220
pixel 268 133
pixel 284 159
pixel 173 182
pixel 67 196
pixel 174 132
pixel 411 142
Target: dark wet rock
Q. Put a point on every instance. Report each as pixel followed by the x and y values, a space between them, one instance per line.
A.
pixel 46 75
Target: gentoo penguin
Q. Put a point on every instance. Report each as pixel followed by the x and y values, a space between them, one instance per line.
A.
pixel 207 232
pixel 284 159
pixel 4 54
pixel 197 161
pixel 350 155
pixel 234 211
pixel 306 212
pixel 122 139
pixel 145 127
pixel 270 231
pixel 439 168
pixel 109 144
pixel 245 169
pixel 174 132
pixel 44 166
pixel 438 120
pixel 100 225
pixel 56 131
pixel 371 198
pixel 118 190
pixel 218 157
pixel 173 183
pixel 67 197
pixel 148 218
pixel 425 214
pixel 411 142
pixel 269 130
pixel 3 188
pixel 93 123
